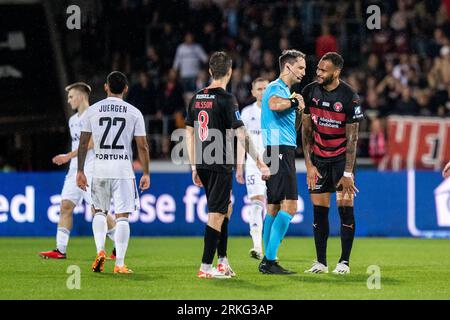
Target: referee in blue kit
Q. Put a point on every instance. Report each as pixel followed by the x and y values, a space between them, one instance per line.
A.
pixel 278 119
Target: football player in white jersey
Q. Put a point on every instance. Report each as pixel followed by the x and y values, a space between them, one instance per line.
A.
pixel 113 123
pixel 78 99
pixel 256 187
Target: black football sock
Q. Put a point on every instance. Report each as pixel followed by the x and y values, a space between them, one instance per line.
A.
pixel 223 240
pixel 321 229
pixel 211 239
pixel 347 232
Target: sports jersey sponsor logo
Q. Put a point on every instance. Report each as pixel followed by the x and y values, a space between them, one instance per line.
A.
pixel 337 106
pixel 325 104
pixel 316 101
pixel 329 123
pixel 102 156
pixel 205 96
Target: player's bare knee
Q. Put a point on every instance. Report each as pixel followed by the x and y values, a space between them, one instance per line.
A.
pixel 215 220
pixel 272 209
pixel 121 215
pixel 346 200
pixel 289 206
pixel 66 207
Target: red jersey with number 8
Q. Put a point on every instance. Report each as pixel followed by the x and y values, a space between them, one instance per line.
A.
pixel 213 112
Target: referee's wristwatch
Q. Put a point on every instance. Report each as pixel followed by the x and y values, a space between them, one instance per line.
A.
pixel 294 102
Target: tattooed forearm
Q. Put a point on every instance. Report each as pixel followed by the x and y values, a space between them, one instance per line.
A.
pixel 307 138
pixel 82 149
pixel 351 132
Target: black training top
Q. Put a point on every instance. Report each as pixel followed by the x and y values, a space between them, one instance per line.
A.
pixel 330 112
pixel 213 112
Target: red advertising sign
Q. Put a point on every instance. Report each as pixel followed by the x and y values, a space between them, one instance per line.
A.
pixel 416 142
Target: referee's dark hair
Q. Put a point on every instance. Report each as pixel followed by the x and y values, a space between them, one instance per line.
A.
pixel 117 82
pixel 335 58
pixel 289 56
pixel 219 64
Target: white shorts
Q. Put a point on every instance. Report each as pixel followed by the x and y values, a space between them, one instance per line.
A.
pixel 123 192
pixel 71 191
pixel 254 182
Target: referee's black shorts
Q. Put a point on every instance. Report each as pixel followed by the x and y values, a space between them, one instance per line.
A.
pixel 217 188
pixel 282 184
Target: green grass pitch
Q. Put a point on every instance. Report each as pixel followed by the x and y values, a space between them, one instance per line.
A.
pixel 165 268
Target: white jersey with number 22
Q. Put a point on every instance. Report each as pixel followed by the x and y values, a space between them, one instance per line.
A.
pixel 113 124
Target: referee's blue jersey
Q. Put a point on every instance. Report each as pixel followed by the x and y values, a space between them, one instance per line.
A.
pixel 278 128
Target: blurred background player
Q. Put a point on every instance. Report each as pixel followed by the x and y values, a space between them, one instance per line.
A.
pixel 78 99
pixel 214 111
pixel 278 123
pixel 330 135
pixel 113 123
pixel 256 187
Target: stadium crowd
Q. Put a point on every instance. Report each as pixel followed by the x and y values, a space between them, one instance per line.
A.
pixel 163 46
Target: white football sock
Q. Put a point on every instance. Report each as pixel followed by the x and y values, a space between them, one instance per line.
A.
pixel 99 228
pixel 111 233
pixel 256 223
pixel 62 239
pixel 223 260
pixel 121 240
pixel 206 267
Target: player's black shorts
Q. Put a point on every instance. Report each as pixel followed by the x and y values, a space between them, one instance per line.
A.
pixel 282 184
pixel 217 188
pixel 331 171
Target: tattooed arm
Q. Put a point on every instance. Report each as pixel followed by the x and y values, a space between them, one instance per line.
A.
pixel 347 181
pixel 351 133
pixel 82 151
pixel 307 141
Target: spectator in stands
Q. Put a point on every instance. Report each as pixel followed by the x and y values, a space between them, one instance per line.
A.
pixel 143 95
pixel 188 61
pixel 326 42
pixel 151 64
pixel 406 105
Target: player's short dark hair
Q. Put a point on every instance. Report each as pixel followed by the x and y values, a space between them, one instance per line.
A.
pixel 259 79
pixel 290 56
pixel 219 63
pixel 335 58
pixel 80 86
pixel 117 82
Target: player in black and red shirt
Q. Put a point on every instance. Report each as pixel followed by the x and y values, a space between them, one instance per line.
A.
pixel 211 117
pixel 330 134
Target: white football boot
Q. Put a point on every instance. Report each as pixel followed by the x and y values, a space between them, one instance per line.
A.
pixel 341 268
pixel 317 267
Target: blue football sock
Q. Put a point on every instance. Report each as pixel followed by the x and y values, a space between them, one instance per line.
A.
pixel 267 227
pixel 279 229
